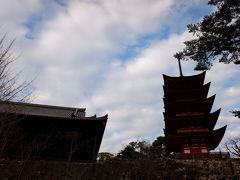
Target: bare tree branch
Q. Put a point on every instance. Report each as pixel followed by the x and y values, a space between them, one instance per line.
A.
pixel 11 89
pixel 233 146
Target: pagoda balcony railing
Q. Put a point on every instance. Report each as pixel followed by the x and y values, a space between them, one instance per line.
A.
pixel 190 113
pixel 192 129
pixel 195 150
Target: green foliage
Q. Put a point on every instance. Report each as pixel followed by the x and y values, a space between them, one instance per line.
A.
pixel 159 142
pixel 158 146
pixel 104 156
pixel 143 150
pixel 217 36
pixel 236 113
pixel 134 150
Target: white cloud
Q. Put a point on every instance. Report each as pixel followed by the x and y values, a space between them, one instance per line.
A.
pixel 74 47
pixel 14 13
pixel 132 93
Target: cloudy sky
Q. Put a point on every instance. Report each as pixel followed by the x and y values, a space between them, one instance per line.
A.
pixel 109 56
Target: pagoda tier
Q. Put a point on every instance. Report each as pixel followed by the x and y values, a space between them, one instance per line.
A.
pixel 210 140
pixel 52 132
pixel 173 124
pixel 189 123
pixel 183 82
pixel 188 107
pixel 178 95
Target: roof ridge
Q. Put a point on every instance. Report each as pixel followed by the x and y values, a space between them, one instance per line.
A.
pixel 42 105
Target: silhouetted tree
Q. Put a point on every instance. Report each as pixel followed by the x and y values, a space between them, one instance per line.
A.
pixel 134 150
pixel 143 150
pixel 233 146
pixel 158 147
pixel 11 89
pixel 217 36
pixel 236 113
pixel 159 142
pixel 104 156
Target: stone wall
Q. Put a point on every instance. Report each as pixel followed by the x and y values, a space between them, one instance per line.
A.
pixel 123 170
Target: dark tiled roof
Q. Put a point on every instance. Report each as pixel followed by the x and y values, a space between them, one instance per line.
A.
pixel 41 110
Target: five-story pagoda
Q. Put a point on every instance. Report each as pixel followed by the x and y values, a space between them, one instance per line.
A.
pixel 189 122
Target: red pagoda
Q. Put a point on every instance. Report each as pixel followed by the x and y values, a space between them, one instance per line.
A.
pixel 189 122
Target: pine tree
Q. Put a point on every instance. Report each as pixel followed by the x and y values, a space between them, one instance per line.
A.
pixel 217 36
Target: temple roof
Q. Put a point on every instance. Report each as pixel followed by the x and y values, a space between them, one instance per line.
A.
pixel 56 128
pixel 41 110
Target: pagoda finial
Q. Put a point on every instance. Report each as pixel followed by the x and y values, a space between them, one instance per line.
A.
pixel 180 67
pixel 179 56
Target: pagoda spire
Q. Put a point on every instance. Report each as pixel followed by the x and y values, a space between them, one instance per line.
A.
pixel 179 56
pixel 180 67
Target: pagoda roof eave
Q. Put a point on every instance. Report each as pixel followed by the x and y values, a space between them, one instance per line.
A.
pixel 182 103
pixel 214 114
pixel 213 138
pixel 208 121
pixel 194 90
pixel 184 82
pixel 203 106
pixel 197 76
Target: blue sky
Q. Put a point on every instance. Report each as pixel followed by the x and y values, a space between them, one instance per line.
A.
pixel 109 56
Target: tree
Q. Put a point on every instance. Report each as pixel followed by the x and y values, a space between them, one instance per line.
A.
pixel 104 156
pixel 134 150
pixel 158 147
pixel 233 146
pixel 236 113
pixel 159 142
pixel 217 36
pixel 143 150
pixel 11 89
